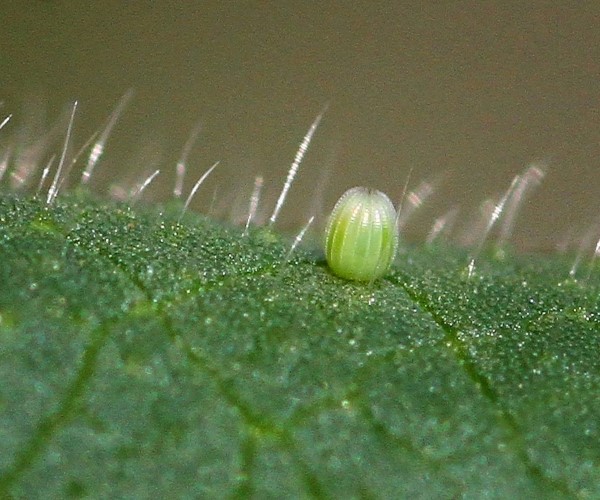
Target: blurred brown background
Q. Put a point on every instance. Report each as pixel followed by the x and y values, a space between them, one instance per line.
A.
pixel 471 90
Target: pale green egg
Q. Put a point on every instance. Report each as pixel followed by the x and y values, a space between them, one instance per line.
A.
pixel 361 237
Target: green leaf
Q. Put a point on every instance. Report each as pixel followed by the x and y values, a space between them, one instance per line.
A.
pixel 140 358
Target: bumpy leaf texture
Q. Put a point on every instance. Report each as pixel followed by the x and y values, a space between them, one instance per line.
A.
pixel 144 358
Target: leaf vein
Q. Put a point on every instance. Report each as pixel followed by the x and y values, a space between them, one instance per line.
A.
pixel 484 386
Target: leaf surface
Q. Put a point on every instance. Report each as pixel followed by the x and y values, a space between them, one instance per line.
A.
pixel 141 357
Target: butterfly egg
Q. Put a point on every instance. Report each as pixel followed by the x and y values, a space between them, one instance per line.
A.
pixel 361 237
